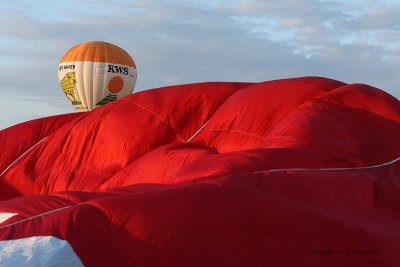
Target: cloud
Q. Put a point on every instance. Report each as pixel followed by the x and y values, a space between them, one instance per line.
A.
pixel 174 42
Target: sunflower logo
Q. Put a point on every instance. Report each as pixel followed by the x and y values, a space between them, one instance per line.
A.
pixel 68 87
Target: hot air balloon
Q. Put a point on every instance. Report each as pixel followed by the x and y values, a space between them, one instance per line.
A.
pixel 95 73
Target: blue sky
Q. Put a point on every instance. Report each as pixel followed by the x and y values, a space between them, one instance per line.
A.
pixel 176 42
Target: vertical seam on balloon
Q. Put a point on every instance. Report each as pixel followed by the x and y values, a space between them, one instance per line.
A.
pixel 92 100
pixel 84 97
pixel 95 66
pixel 23 154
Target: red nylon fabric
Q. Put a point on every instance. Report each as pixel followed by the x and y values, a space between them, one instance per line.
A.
pixel 191 175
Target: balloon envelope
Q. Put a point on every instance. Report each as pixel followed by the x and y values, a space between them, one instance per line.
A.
pixel 295 172
pixel 95 73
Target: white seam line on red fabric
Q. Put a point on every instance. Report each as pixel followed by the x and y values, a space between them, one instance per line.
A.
pixel 274 170
pixel 36 216
pixel 155 115
pixel 332 169
pixel 23 154
pixel 201 128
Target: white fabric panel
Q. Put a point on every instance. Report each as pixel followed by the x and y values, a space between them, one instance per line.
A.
pixel 85 70
pixel 4 216
pixel 37 251
pixel 99 81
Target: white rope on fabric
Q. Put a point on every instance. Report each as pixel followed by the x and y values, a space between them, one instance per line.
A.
pixel 257 172
pixel 333 169
pixel 36 216
pixel 199 130
pixel 23 154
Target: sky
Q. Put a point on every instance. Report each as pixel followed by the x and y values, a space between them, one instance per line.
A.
pixel 177 42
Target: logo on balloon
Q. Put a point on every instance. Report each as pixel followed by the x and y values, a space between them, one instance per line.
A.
pixel 118 69
pixel 68 87
pixel 115 85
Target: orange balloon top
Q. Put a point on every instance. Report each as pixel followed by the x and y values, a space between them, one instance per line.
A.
pixel 99 52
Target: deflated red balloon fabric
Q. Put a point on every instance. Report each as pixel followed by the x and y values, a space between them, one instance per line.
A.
pixel 295 172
